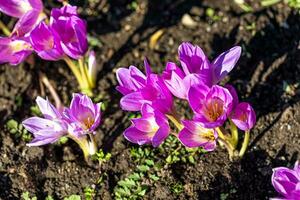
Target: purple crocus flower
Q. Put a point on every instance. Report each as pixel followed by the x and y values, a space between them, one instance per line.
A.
pixel 71 29
pixel 48 129
pixel 243 116
pixel 195 135
pixel 194 61
pixel 139 89
pixel 14 50
pixel 46 42
pixel 210 105
pixel 151 128
pixel 287 182
pixel 83 116
pixel 130 80
pixel 18 8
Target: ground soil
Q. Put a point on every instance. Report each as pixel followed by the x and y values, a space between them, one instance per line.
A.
pixel 270 61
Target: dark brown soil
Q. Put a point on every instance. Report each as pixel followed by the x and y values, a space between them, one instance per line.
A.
pixel 270 61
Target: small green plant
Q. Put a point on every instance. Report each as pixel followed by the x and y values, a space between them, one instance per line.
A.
pixel 133 5
pixel 18 130
pixel 211 14
pixel 89 193
pixel 176 188
pixel 177 152
pixel 101 156
pixel 26 196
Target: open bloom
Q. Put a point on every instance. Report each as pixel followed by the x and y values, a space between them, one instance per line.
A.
pixel 14 50
pixel 196 68
pixel 48 129
pixel 210 105
pixel 71 29
pixel 46 42
pixel 151 128
pixel 194 61
pixel 287 182
pixel 195 135
pixel 83 116
pixel 138 89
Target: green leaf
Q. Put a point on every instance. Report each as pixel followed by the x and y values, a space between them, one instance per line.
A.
pixel 143 168
pixel 149 162
pixel 126 183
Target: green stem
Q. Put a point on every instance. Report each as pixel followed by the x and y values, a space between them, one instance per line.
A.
pixel 75 71
pixel 245 144
pixel 234 134
pixel 228 146
pixel 87 145
pixel 83 73
pixel 175 121
pixel 4 28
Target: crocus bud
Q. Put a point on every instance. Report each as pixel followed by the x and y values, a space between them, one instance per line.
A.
pixel 92 68
pixel 243 116
pixel 71 29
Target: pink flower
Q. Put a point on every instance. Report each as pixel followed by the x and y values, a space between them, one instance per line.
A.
pixel 151 128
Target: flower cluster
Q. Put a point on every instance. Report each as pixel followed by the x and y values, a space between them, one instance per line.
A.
pixel 287 182
pixel 196 81
pixel 77 122
pixel 61 36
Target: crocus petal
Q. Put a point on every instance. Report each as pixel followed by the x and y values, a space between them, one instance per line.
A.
pixel 42 141
pixel 130 80
pixel 145 124
pixel 92 67
pixel 161 134
pixel 176 86
pixel 136 136
pixel 14 50
pixel 147 67
pixel 225 62
pixel 234 95
pixel 34 124
pixel 47 109
pixel 193 135
pixel 196 95
pixel 46 42
pixel 132 101
pixel 28 22
pixel 15 8
pixel 192 58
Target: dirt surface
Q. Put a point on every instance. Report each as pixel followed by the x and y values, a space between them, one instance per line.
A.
pixel 266 75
